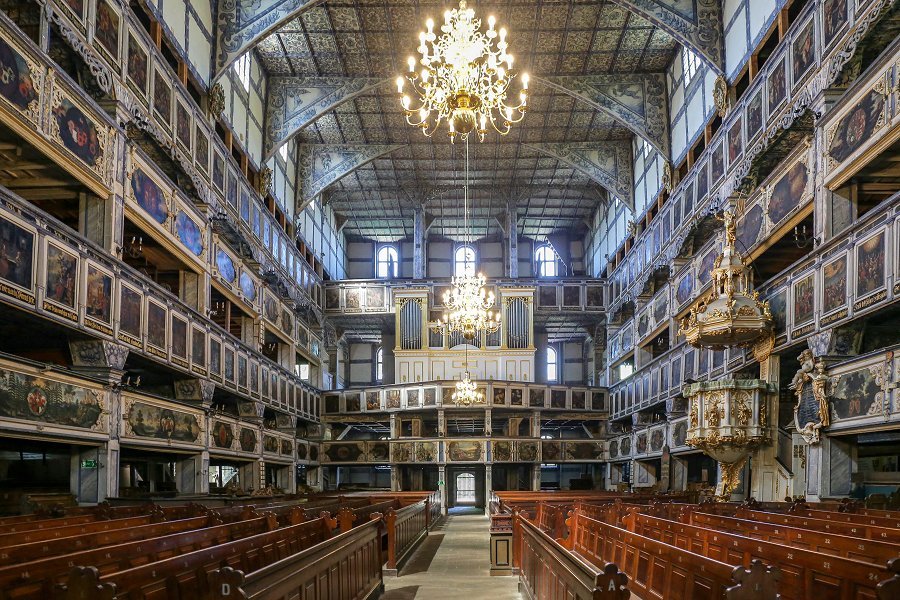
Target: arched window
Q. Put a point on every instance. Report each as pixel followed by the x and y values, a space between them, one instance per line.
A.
pixel 379 364
pixel 545 261
pixel 552 365
pixel 386 262
pixel 464 261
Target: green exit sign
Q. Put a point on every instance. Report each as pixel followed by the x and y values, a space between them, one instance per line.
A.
pixel 89 464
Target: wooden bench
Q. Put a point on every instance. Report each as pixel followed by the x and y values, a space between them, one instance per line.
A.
pixel 185 576
pixel 35 579
pixel 346 566
pixel 806 574
pixel 92 526
pixel 869 532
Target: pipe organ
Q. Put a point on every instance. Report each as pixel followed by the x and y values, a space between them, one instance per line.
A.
pixel 423 353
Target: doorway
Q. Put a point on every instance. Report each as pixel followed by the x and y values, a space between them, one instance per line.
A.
pixel 465 486
pixel 465 489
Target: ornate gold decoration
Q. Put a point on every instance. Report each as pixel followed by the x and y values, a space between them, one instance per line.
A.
pixel 731 478
pixel 812 373
pixel 265 181
pixel 216 101
pixel 715 411
pixel 668 180
pixel 467 392
pixel 464 80
pixel 731 313
pixel 742 409
pixel 720 96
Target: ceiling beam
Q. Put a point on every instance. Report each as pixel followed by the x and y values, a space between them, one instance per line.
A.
pixel 638 101
pixel 242 24
pixel 321 165
pixel 696 25
pixel 295 102
pixel 607 163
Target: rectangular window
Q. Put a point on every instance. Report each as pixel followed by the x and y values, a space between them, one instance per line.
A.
pixel 690 64
pixel 242 68
pixel 283 152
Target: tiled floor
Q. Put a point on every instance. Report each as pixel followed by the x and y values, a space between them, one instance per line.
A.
pixel 452 563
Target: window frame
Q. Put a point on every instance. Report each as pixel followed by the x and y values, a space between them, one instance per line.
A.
pixel 465 263
pixel 554 363
pixel 241 68
pixel 539 263
pixel 389 249
pixel 690 65
pixel 379 364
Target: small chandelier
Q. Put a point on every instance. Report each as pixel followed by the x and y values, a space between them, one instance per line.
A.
pixel 467 393
pixel 469 307
pixel 464 78
pixel 731 314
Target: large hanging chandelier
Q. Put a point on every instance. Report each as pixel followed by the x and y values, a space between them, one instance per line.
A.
pixel 464 79
pixel 731 313
pixel 467 393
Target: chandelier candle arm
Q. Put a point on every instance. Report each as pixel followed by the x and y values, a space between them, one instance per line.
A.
pixel 465 78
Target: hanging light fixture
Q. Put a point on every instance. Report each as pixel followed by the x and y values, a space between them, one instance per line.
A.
pixel 467 393
pixel 467 302
pixel 465 78
pixel 731 313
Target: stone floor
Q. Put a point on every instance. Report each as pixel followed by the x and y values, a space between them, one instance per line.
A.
pixel 452 563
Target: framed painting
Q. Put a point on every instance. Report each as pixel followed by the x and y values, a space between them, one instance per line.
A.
pixel 16 261
pixel 242 371
pixel 162 99
pixel 225 266
pixel 788 192
pixel 137 68
pixel 22 81
pixel 834 285
pixel 74 9
pixel 735 141
pixel 62 274
pixel 98 297
pixel 179 337
pixel 777 85
pixel 156 325
pixel 685 288
pixel 106 31
pixel 189 233
pixel 228 364
pixel 803 51
pixel 778 308
pixel 717 163
pixel 149 196
pixel 198 347
pixel 755 114
pixel 688 200
pixel 705 267
pixel 870 265
pixel 702 183
pixel 834 20
pixel 183 124
pixel 201 149
pixel 131 311
pixel 749 227
pixel 804 303
pixel 218 171
pixel 856 127
pixel 79 133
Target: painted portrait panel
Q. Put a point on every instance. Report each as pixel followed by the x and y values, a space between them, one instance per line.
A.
pixel 183 125
pixel 162 98
pixel 749 227
pixel 578 399
pixel 149 196
pixel 62 271
pixel 412 398
pixel 225 266
pixel 788 192
pixel 189 233
pixel 804 304
pixel 78 133
pixel 130 312
pixel 834 17
pixel 870 265
pixel 137 67
pixel 76 7
pixel 156 325
pixel 106 29
pixel 754 114
pixel 803 52
pixel 777 86
pixel 834 287
pixel 735 141
pixel 855 394
pixel 179 337
pixel 857 126
pixel 16 254
pixel 97 304
pixel 17 84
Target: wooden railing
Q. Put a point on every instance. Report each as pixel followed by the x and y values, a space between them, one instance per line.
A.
pixel 547 571
pixel 346 566
pixel 404 530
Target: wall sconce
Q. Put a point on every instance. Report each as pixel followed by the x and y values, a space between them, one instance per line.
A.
pixel 803 240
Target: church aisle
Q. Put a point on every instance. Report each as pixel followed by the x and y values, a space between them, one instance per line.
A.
pixel 452 563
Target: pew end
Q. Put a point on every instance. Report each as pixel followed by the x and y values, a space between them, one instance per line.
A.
pixel 84 583
pixel 889 589
pixel 225 584
pixel 759 582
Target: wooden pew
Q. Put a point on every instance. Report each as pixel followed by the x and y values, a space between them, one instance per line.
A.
pixel 655 570
pixel 868 532
pixel 806 574
pixel 405 528
pixel 36 535
pixel 35 579
pixel 347 566
pixel 547 571
pixel 185 576
pixel 347 516
pixel 873 551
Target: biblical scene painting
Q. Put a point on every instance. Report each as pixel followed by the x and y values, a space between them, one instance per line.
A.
pixel 857 126
pixel 855 394
pixel 735 141
pixel 148 420
pixel 106 29
pixel 749 227
pixel 179 337
pixel 870 265
pixel 62 270
pixel 137 67
pixel 198 347
pixel 97 305
pixel 189 233
pixel 704 270
pixel 78 132
pixel 685 288
pixel 16 254
pixel 834 287
pixel 804 51
pixel 130 311
pixel 788 192
pixel 17 84
pixel 156 325
pixel 778 308
pixel 225 266
pixel 754 115
pixel 183 125
pixel 465 451
pixel 777 86
pixel 149 196
pixel 803 300
pixel 834 17
pixel 162 98
pixel 34 398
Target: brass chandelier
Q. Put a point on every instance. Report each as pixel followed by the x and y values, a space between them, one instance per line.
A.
pixel 467 393
pixel 465 78
pixel 731 313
